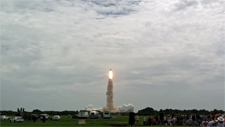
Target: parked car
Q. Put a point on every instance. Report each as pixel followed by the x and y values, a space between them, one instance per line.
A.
pixel 106 115
pixel 43 115
pixel 56 117
pixel 94 115
pixel 4 117
pixel 17 119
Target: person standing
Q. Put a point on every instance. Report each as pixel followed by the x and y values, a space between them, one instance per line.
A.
pixel 161 118
pixel 169 120
pixel 30 118
pixel 144 121
pixel 137 118
pixel 131 119
pixel 157 120
pixel 44 119
pixel 173 121
pixel 211 122
pixel 204 123
pixel 50 118
pixel 149 121
pixel 193 120
pixel 220 122
pixel 35 118
pixel 154 121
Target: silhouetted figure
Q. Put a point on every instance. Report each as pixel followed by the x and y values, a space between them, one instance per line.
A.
pixel 193 120
pixel 33 118
pixel 30 118
pixel 157 120
pixel 131 119
pixel 149 121
pixel 161 115
pixel 43 119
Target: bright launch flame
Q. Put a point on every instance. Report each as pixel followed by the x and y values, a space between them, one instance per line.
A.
pixel 110 74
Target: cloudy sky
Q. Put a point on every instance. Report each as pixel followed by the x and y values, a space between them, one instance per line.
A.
pixel 56 54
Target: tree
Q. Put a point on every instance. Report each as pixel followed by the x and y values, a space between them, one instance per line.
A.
pixel 148 111
pixel 36 111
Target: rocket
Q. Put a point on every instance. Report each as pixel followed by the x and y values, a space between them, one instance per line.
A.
pixel 110 74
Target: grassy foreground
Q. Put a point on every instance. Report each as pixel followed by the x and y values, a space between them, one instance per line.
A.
pixel 69 122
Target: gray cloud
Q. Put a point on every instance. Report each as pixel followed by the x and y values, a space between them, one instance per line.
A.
pixel 185 4
pixel 114 8
pixel 55 52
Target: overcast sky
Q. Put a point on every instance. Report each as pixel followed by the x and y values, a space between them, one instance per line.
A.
pixel 56 54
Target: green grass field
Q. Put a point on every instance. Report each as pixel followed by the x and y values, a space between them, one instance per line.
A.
pixel 69 122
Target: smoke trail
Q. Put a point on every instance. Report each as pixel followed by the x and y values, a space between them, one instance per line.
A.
pixel 110 105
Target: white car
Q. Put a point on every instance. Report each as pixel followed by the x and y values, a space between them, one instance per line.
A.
pixel 106 115
pixel 17 119
pixel 4 117
pixel 44 115
pixel 56 117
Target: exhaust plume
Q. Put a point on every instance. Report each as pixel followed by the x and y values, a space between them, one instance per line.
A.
pixel 110 106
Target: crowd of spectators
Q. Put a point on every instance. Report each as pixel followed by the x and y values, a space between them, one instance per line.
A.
pixel 216 120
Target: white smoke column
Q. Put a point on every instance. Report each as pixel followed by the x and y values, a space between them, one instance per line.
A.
pixel 110 106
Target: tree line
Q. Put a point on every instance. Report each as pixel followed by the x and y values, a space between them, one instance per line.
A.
pixel 149 111
pixel 38 112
